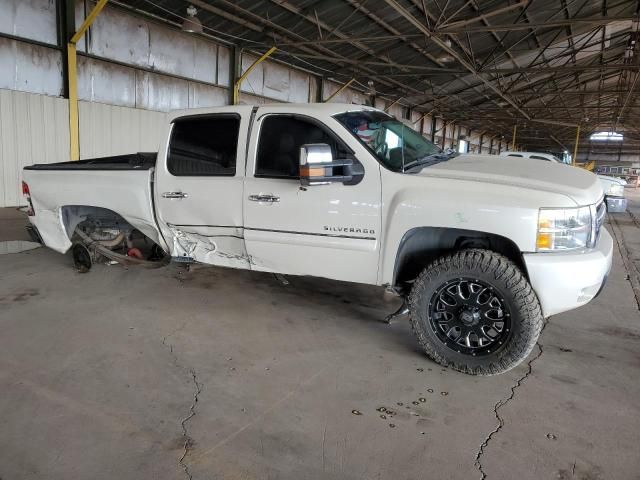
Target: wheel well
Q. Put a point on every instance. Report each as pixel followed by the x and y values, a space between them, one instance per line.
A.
pixel 72 215
pixel 420 246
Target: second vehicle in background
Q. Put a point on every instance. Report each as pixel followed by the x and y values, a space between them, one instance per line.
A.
pixel 613 187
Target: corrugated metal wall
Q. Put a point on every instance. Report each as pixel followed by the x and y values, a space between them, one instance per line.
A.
pixel 111 130
pixel 33 129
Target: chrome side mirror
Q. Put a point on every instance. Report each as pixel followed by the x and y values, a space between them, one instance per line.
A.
pixel 318 167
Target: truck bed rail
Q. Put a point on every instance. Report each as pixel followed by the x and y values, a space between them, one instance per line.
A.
pixel 133 161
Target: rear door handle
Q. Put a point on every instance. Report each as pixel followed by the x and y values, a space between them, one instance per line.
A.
pixel 264 198
pixel 174 195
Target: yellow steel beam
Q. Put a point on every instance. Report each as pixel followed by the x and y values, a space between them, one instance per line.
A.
pixel 392 104
pixel 74 133
pixel 74 136
pixel 236 86
pixel 513 141
pixel 88 21
pixel 575 147
pixel 339 91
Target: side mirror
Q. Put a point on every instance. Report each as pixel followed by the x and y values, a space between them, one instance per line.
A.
pixel 318 167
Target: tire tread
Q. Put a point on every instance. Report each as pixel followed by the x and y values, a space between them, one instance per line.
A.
pixel 501 269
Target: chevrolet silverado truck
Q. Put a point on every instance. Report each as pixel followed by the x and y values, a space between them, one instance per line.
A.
pixel 481 250
pixel 613 187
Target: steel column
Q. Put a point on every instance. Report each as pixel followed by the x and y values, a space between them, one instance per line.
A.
pixel 421 118
pixel 444 134
pixel 235 71
pixel 433 129
pixel 74 125
pixel 319 89
pixel 66 27
pixel 453 134
pixel 575 147
pixel 72 85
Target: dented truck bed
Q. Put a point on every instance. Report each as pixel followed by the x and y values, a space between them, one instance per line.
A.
pixel 121 184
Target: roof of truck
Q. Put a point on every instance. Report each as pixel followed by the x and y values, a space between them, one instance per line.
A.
pixel 309 108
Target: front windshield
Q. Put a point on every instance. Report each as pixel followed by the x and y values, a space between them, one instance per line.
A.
pixel 396 146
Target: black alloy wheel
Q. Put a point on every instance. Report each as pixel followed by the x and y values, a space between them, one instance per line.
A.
pixel 469 316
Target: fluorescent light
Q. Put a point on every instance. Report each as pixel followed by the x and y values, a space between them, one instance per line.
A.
pixel 604 136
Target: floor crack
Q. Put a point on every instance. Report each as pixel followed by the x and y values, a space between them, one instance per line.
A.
pixel 188 440
pixel 502 402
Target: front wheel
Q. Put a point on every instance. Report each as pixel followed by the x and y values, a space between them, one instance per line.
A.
pixel 474 311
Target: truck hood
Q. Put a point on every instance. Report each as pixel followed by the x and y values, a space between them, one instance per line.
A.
pixel 580 185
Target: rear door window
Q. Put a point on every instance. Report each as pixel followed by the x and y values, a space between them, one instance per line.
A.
pixel 204 146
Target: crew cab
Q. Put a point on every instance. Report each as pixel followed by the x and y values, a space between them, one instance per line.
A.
pixel 481 250
pixel 613 187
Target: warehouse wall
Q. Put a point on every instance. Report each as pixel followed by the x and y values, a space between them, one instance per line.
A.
pixel 112 130
pixel 131 71
pixel 609 155
pixel 28 67
pixel 33 129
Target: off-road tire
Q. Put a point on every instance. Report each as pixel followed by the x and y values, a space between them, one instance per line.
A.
pixel 505 278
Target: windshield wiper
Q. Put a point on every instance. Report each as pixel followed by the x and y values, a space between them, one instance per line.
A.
pixel 430 159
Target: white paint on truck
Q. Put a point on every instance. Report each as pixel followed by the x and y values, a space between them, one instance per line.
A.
pixel 355 229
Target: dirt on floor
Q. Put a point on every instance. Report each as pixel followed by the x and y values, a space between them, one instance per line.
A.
pixel 225 374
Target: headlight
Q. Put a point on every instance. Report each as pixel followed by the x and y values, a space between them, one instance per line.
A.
pixel 563 228
pixel 616 190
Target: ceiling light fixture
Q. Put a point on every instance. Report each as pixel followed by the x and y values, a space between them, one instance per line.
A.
pixel 192 24
pixel 604 136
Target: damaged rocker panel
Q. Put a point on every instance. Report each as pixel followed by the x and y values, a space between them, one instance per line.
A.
pixel 206 245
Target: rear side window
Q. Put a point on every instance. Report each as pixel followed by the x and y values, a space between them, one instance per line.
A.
pixel 204 146
pixel 279 146
pixel 514 155
pixel 537 157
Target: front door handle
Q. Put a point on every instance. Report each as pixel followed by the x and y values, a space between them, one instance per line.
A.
pixel 264 198
pixel 174 195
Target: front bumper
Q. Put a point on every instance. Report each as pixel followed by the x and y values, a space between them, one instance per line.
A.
pixel 616 204
pixel 567 280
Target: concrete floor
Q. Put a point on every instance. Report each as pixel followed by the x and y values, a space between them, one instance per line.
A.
pixel 222 374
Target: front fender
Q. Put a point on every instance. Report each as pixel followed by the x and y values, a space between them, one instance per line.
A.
pixel 502 210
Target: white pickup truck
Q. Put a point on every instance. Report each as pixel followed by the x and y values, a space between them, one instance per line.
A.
pixel 482 250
